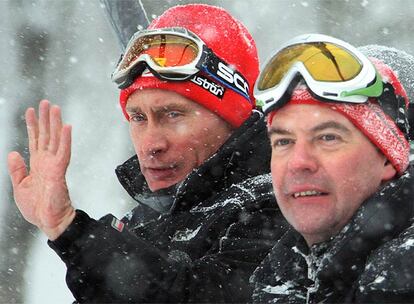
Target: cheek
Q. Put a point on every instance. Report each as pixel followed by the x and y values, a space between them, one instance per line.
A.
pixel 185 139
pixel 277 173
pixel 356 177
pixel 134 134
pixel 343 172
pixel 183 130
pixel 185 146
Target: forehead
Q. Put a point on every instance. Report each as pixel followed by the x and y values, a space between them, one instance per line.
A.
pixel 305 117
pixel 158 98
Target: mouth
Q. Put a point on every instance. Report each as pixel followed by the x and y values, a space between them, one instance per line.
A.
pixel 308 193
pixel 161 172
pixel 169 167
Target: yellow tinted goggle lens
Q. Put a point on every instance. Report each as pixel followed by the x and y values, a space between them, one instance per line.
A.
pixel 166 50
pixel 324 62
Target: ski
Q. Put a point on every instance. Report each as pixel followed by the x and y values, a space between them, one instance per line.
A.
pixel 125 17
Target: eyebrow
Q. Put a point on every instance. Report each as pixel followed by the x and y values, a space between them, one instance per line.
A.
pixel 132 109
pixel 278 131
pixel 165 108
pixel 331 124
pixel 325 125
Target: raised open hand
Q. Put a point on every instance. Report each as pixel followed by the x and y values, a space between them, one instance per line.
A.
pixel 41 194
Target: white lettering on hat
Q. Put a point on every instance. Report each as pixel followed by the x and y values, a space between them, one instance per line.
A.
pixel 208 85
pixel 233 77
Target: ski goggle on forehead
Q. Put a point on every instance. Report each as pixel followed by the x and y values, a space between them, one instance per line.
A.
pixel 174 54
pixel 332 69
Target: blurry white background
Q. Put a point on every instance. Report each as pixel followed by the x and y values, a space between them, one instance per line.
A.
pixel 65 50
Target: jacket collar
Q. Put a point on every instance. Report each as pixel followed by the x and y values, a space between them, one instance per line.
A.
pixel 382 217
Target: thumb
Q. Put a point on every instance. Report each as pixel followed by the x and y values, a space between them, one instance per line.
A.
pixel 17 168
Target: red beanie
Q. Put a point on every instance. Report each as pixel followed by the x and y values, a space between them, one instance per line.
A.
pixel 369 118
pixel 229 40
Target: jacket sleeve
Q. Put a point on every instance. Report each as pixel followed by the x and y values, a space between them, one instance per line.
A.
pixel 108 264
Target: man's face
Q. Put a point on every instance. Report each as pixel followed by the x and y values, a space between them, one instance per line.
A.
pixel 323 168
pixel 172 135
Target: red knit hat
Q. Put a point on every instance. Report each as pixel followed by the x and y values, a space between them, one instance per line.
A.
pixel 369 118
pixel 229 40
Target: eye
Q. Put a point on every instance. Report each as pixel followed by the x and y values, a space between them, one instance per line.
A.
pixel 329 137
pixel 137 117
pixel 281 142
pixel 173 114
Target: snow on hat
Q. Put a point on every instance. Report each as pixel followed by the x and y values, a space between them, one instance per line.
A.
pixel 229 40
pixel 369 118
pixel 402 64
pixel 399 61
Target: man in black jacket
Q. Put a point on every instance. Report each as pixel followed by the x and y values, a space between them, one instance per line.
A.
pixel 341 177
pixel 205 216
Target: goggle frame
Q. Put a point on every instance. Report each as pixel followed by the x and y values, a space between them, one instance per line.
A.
pixel 337 91
pixel 206 61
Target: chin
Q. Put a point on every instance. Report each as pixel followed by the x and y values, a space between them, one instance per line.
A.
pixel 158 185
pixel 317 230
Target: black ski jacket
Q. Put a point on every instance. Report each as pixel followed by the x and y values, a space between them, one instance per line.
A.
pixel 369 261
pixel 223 222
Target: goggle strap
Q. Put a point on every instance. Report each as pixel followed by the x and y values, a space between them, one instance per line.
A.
pixel 137 70
pixel 394 106
pixel 209 64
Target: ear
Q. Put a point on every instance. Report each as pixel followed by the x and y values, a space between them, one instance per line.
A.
pixel 389 171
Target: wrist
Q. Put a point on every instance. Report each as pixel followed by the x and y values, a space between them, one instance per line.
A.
pixel 55 232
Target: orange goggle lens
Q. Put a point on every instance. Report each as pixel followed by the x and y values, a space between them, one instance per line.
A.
pixel 324 61
pixel 165 50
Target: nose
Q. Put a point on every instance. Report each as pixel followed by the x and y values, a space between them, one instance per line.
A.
pixel 303 158
pixel 154 140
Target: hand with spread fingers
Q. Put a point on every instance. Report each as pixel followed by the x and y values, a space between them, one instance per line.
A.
pixel 41 194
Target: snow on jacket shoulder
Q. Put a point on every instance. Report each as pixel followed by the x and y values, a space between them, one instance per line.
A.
pixel 224 222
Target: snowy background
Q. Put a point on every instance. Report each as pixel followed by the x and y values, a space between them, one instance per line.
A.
pixel 65 50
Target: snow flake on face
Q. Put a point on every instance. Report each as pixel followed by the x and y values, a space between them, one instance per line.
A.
pixel 185 235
